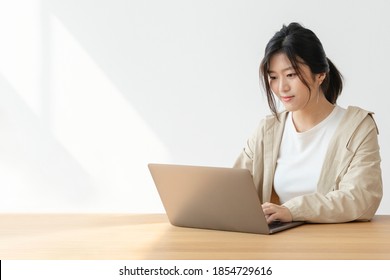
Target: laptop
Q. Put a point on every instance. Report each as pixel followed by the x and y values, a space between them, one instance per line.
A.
pixel 216 198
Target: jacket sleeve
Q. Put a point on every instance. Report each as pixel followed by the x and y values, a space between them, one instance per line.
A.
pixel 357 190
pixel 251 150
pixel 251 157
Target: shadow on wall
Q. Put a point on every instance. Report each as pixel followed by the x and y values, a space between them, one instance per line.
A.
pixel 117 85
pixel 77 144
pixel 178 71
pixel 36 170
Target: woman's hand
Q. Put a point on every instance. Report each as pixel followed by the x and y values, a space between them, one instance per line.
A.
pixel 276 212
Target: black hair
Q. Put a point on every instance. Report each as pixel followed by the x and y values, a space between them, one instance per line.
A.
pixel 301 45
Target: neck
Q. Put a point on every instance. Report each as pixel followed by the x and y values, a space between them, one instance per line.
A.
pixel 312 115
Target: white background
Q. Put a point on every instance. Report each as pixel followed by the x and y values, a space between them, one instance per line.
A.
pixel 91 91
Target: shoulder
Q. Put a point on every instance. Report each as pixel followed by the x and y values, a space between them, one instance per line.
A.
pixel 271 121
pixel 270 126
pixel 359 117
pixel 356 127
pixel 355 110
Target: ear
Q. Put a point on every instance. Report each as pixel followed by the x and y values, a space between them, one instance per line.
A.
pixel 321 77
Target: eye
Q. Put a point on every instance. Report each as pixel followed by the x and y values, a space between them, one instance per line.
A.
pixel 272 77
pixel 291 75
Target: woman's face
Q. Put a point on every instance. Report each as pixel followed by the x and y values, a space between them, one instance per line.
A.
pixel 288 87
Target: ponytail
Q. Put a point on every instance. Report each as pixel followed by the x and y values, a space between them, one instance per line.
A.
pixel 333 83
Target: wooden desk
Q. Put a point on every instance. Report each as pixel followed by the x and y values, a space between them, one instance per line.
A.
pixel 120 237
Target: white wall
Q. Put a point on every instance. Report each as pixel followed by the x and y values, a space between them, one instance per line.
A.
pixel 91 91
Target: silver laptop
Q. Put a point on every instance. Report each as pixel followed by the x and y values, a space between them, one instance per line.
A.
pixel 215 198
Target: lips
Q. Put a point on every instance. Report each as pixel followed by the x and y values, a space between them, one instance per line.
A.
pixel 286 98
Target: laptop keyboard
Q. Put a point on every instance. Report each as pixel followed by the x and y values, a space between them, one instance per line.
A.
pixel 275 224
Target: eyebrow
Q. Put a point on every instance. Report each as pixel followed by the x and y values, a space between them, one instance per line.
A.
pixel 283 70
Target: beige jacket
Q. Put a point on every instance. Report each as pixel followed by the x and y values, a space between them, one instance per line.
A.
pixel 350 183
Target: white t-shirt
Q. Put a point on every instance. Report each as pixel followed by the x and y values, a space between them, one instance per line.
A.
pixel 301 156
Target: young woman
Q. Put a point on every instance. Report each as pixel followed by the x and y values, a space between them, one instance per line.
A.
pixel 315 161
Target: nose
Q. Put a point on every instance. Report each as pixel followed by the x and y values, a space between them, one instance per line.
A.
pixel 284 85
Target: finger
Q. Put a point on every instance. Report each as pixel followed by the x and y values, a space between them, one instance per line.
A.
pixel 268 211
pixel 272 218
pixel 266 204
